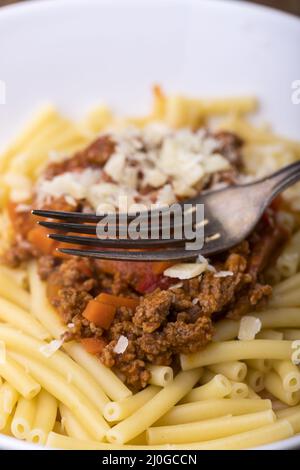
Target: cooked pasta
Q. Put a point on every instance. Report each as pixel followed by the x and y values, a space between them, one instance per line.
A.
pixel 23 418
pixel 44 419
pixel 58 361
pixel 271 318
pixel 160 375
pixel 289 260
pixel 274 385
pixel 72 425
pixel 292 415
pixel 218 387
pixel 289 374
pixel 68 394
pixel 209 429
pixel 238 390
pixel 21 319
pixel 208 409
pixel 291 334
pixel 236 351
pixel 234 370
pixel 270 334
pixel 8 397
pixel 255 379
pixel 279 430
pixel 119 410
pixel 19 378
pixel 150 412
pixel 109 378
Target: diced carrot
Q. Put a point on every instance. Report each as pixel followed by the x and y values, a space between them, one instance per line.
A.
pixel 117 300
pixel 38 237
pixel 93 345
pixel 99 313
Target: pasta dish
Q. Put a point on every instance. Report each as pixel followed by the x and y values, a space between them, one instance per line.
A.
pixel 98 354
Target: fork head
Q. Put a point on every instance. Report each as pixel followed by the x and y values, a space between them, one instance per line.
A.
pixel 231 214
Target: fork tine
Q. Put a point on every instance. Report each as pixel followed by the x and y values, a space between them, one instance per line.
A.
pixel 72 216
pixel 133 256
pixel 65 227
pixel 86 217
pixel 118 242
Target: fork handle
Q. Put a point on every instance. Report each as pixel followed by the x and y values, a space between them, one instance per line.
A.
pixel 283 178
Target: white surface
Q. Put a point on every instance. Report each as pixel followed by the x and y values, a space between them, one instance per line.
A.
pixel 77 53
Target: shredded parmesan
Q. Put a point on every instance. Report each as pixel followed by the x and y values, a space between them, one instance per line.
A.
pixel 203 223
pixel 249 327
pixel 121 345
pixel 23 208
pixel 223 274
pixel 49 349
pixel 185 270
pixel 174 163
pixel 176 286
pixel 213 237
pixel 2 352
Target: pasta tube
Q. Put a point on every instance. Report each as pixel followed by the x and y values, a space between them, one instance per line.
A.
pixel 154 409
pixel 255 379
pixel 277 431
pixel 233 370
pixel 236 351
pixel 272 318
pixel 19 379
pixel 291 334
pixel 15 294
pixel 289 374
pixel 287 285
pixel 119 410
pixel 56 385
pixel 19 318
pixel 160 375
pixel 208 409
pixel 71 424
pixel 23 418
pixel 58 361
pixel 292 415
pixel 218 387
pixel 262 365
pixel 44 420
pixel 8 397
pixel 238 390
pixel 208 429
pixel 273 384
pixel 269 334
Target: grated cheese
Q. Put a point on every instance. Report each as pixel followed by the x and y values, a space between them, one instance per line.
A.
pixel 223 274
pixel 249 327
pixel 174 163
pixel 216 236
pixel 176 286
pixel 49 349
pixel 185 270
pixel 121 345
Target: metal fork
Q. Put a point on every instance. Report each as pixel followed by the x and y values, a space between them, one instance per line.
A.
pixel 232 214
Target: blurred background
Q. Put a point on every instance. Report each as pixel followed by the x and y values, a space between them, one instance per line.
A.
pixel 290 6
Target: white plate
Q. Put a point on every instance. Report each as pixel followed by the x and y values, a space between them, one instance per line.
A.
pixel 77 53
